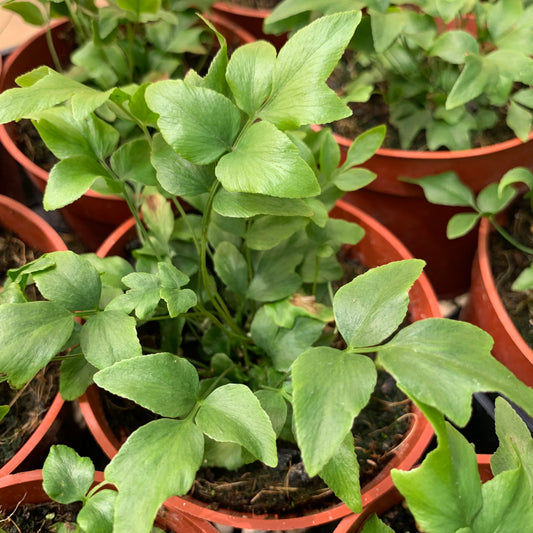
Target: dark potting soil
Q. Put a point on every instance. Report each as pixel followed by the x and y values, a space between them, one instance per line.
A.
pixel 507 263
pixel 38 518
pixel 400 519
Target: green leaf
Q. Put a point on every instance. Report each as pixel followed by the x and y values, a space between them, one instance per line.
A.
pixel 249 74
pixel 4 409
pixel 231 413
pixel 109 337
pixel 170 281
pixel 445 189
pixel 142 296
pixel 76 375
pixel 265 161
pixel 71 178
pixel 66 476
pixel 508 504
pixel 284 344
pixel 354 179
pixel 162 382
pixel 341 474
pixel 268 231
pixel 324 409
pixel 375 525
pixel 460 224
pixel 275 277
pixel 386 27
pixel 519 119
pixel 502 16
pixel 302 67
pixel 131 162
pixel 371 307
pixel 492 200
pixel 453 46
pixel 444 493
pixel 470 83
pixel 31 334
pixel 73 283
pixel 231 267
pixel 172 452
pixel 98 511
pixel 515 175
pixel 140 6
pixel 29 12
pixel 245 205
pixel 275 406
pixel 516 444
pixel 524 280
pixel 198 123
pixel 177 175
pixel 49 90
pixel 364 146
pixel 461 353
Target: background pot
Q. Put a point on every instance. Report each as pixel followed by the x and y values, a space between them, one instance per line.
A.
pixel 485 309
pixel 37 233
pixel 354 523
pixel 378 247
pixel 249 18
pixel 93 216
pixel 26 487
pixel 420 225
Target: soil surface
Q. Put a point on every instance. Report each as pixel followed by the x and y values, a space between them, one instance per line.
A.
pixel 507 263
pixel 400 519
pixel 38 518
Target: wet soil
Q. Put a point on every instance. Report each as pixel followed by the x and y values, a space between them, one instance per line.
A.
pixel 38 518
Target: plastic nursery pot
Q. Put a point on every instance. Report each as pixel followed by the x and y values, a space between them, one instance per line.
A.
pixel 378 247
pixel 485 309
pixel 94 216
pixel 250 18
pixel 26 488
pixel 420 225
pixel 354 523
pixel 37 233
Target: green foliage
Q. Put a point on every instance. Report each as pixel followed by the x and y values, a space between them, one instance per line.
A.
pixel 238 286
pixel 448 189
pixel 444 69
pixel 446 494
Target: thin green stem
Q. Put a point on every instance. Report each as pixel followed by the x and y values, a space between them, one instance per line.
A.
pixel 510 238
pixel 183 215
pixel 52 49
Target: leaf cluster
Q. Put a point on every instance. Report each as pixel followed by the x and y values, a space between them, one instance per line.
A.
pixel 446 494
pixel 231 192
pixel 491 202
pixel 124 41
pixel 448 71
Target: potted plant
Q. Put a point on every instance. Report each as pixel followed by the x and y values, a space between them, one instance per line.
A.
pixel 450 491
pixel 417 61
pixel 67 495
pixel 243 350
pixel 32 233
pixel 105 46
pixel 496 207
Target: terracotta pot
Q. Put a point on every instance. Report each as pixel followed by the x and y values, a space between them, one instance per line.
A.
pixel 26 487
pixel 354 523
pixel 378 247
pixel 94 215
pixel 485 309
pixel 249 18
pixel 37 233
pixel 420 225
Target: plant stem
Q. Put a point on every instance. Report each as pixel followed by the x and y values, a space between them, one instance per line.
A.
pixel 52 49
pixel 507 236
